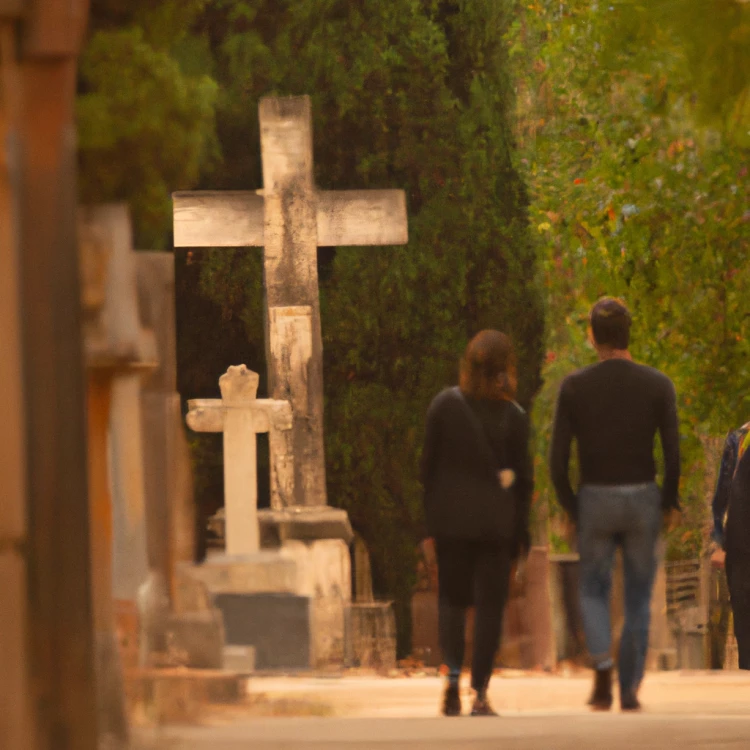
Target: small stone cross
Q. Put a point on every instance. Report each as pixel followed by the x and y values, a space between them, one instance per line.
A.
pixel 240 416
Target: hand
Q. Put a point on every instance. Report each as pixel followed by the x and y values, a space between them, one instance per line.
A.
pixel 719 558
pixel 518 577
pixel 672 519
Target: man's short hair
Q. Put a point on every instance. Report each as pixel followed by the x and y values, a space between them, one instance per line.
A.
pixel 610 323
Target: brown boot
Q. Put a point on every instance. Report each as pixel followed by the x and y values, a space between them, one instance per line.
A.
pixel 601 697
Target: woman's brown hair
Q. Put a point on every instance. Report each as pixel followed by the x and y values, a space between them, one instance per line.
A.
pixel 488 367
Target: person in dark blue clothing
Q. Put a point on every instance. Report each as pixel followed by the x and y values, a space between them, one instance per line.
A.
pixel 729 459
pixel 478 480
pixel 731 532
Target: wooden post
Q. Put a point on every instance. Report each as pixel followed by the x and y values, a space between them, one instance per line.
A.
pixel 16 726
pixel 47 699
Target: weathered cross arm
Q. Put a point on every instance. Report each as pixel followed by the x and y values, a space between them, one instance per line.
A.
pixel 235 218
pixel 208 414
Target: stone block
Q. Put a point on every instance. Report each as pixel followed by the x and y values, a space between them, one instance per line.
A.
pixel 372 628
pixel 239 659
pixel 163 696
pixel 323 567
pixel 190 594
pixel 324 575
pixel 198 638
pixel 266 571
pixel 156 303
pixel 304 524
pixel 277 625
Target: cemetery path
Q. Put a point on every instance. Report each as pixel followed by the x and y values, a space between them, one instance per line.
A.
pixel 587 732
pixel 690 711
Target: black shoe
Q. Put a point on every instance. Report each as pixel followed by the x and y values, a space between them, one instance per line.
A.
pixel 482 707
pixel 601 698
pixel 629 701
pixel 451 701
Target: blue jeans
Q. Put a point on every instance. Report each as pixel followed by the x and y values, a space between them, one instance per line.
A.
pixel 628 516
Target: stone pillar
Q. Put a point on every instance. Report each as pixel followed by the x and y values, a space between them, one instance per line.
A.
pixel 291 279
pixel 116 351
pixel 130 561
pixel 110 691
pixel 170 510
pixel 238 391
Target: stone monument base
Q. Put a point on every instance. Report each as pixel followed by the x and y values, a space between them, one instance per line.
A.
pixel 277 626
pixel 307 524
pixel 290 602
pixel 372 636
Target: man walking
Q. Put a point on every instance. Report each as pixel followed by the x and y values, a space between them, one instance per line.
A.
pixel 614 409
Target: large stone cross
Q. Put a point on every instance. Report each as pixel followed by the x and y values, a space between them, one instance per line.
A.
pixel 290 218
pixel 240 416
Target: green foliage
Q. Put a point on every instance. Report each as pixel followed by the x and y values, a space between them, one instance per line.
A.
pixel 632 197
pixel 146 123
pixel 711 40
pixel 413 95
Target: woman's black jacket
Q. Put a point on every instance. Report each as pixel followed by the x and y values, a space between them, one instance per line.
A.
pixel 463 498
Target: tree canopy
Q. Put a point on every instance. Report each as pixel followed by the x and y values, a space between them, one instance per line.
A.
pixel 639 188
pixel 413 95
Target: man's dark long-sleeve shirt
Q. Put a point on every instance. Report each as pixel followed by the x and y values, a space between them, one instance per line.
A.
pixel 614 409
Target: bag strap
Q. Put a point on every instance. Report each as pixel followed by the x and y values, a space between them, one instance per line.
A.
pixel 480 432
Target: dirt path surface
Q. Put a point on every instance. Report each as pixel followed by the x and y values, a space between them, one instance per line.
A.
pixel 690 711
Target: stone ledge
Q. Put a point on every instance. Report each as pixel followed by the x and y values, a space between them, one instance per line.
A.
pixel 303 524
pixel 240 659
pixel 178 695
pixel 263 572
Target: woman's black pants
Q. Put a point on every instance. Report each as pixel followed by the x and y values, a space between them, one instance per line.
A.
pixel 472 573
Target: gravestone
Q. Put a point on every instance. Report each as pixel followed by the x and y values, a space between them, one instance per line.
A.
pixel 371 643
pixel 265 603
pixel 179 624
pixel 240 416
pixel 168 476
pixel 290 218
pixel 116 351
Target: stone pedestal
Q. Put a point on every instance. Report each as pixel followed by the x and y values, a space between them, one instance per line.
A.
pixel 262 608
pixel 276 625
pixel 372 638
pixel 303 523
pixel 305 553
pixel 290 603
pixel 324 576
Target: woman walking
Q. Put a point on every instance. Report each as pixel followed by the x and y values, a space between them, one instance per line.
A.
pixel 478 480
